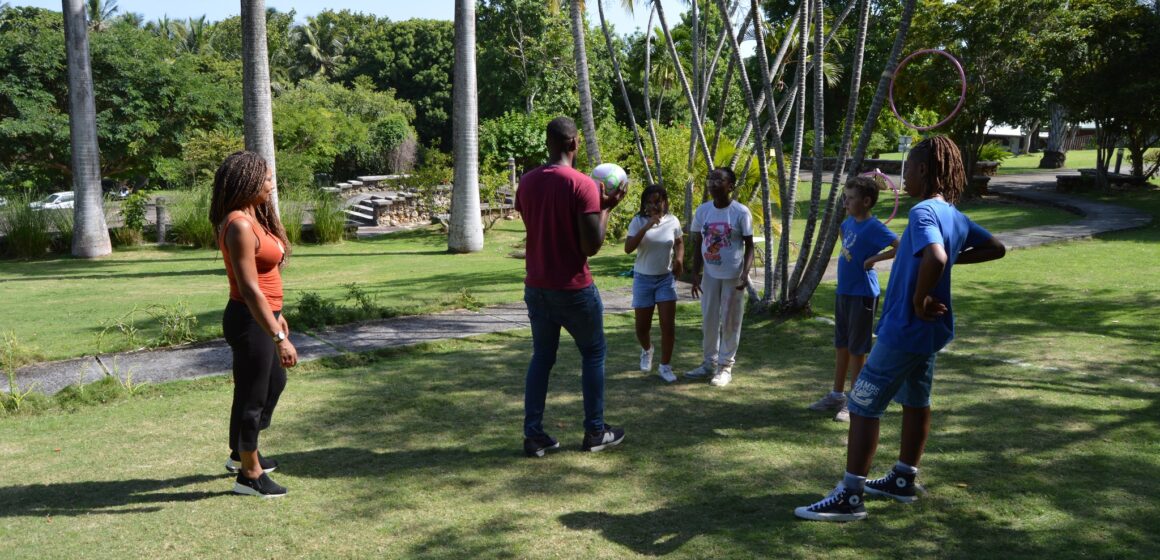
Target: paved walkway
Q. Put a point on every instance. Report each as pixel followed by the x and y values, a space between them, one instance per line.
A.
pixel 213 358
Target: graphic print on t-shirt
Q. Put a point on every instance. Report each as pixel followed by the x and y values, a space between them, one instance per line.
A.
pixel 716 235
pixel 847 245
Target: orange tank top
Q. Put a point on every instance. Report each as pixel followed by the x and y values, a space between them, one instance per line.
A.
pixel 267 257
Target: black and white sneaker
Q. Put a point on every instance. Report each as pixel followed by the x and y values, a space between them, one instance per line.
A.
pixel 537 446
pixel 897 485
pixel 234 463
pixel 841 505
pixel 603 438
pixel 262 487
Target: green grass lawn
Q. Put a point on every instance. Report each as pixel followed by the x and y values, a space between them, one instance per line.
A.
pixel 58 308
pixel 1045 444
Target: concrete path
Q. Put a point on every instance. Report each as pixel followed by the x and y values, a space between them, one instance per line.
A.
pixel 213 358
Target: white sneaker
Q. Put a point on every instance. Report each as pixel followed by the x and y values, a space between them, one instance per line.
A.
pixel 843 415
pixel 666 373
pixel 701 371
pixel 723 377
pixel 646 359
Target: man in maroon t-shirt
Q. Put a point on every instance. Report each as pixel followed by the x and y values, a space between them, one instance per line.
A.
pixel 566 215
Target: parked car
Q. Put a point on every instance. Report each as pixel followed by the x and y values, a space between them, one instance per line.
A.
pixel 56 201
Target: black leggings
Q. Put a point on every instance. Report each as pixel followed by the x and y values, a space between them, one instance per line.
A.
pixel 258 376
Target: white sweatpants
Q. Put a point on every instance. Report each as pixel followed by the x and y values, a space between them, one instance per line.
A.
pixel 722 307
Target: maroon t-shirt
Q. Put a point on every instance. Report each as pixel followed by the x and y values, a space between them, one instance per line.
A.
pixel 551 199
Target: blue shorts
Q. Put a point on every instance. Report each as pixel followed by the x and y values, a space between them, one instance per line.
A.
pixel 651 289
pixel 890 373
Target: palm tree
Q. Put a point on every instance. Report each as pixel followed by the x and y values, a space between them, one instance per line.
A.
pixel 805 290
pixel 322 52
pixel 256 114
pixel 624 91
pixel 162 27
pixel 90 233
pixel 652 131
pixel 465 233
pixel 194 37
pixel 583 84
pixel 811 271
pixel 100 14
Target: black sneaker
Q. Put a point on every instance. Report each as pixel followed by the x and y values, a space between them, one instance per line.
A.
pixel 840 505
pixel 603 438
pixel 897 485
pixel 234 463
pixel 263 487
pixel 537 446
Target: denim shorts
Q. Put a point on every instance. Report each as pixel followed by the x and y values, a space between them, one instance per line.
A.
pixel 854 323
pixel 651 289
pixel 892 374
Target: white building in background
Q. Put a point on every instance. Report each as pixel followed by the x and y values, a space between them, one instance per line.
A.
pixel 1013 137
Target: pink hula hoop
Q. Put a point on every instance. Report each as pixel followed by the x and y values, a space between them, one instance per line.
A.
pixel 962 91
pixel 893 187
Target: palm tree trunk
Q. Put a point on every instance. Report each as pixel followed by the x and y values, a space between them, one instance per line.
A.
pixel 819 147
pixel 580 56
pixel 754 118
pixel 834 214
pixel 624 92
pixel 698 132
pixel 90 233
pixel 767 75
pixel 789 190
pixel 256 114
pixel 652 129
pixel 825 249
pixel 465 233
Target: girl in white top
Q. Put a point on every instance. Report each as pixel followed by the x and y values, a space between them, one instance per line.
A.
pixel 656 236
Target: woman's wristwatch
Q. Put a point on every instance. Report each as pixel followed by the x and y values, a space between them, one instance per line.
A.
pixel 279 337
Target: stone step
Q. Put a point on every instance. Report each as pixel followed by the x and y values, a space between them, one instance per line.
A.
pixel 359 217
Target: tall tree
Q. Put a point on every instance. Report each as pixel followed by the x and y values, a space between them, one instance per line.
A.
pixel 100 14
pixel 466 227
pixel 256 114
pixel 321 50
pixel 90 233
pixel 583 84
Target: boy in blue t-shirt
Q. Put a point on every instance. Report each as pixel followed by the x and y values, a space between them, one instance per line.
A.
pixel 917 321
pixel 863 239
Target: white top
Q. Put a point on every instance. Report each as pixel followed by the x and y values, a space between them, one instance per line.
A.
pixel 721 231
pixel 654 255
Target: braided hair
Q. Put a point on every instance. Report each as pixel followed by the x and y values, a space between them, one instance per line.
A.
pixel 237 185
pixel 945 174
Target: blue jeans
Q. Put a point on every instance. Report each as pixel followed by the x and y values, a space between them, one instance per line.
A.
pixel 582 313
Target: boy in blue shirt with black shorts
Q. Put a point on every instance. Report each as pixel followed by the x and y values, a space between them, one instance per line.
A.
pixel 917 321
pixel 856 301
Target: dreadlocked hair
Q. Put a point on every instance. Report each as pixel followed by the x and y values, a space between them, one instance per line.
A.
pixel 945 174
pixel 655 188
pixel 237 185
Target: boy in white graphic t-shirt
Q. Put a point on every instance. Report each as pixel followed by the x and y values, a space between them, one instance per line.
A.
pixel 722 229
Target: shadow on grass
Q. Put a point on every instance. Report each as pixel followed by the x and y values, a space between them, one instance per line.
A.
pixel 445 418
pixel 89 497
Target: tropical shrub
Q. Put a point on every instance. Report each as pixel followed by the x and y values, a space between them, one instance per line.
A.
pixel 26 230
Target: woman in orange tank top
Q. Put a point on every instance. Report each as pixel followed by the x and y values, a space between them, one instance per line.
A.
pixel 254 247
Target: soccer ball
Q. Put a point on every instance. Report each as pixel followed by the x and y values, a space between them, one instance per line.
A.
pixel 610 176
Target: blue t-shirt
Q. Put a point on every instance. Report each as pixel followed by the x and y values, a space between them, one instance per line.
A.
pixel 860 241
pixel 931 221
